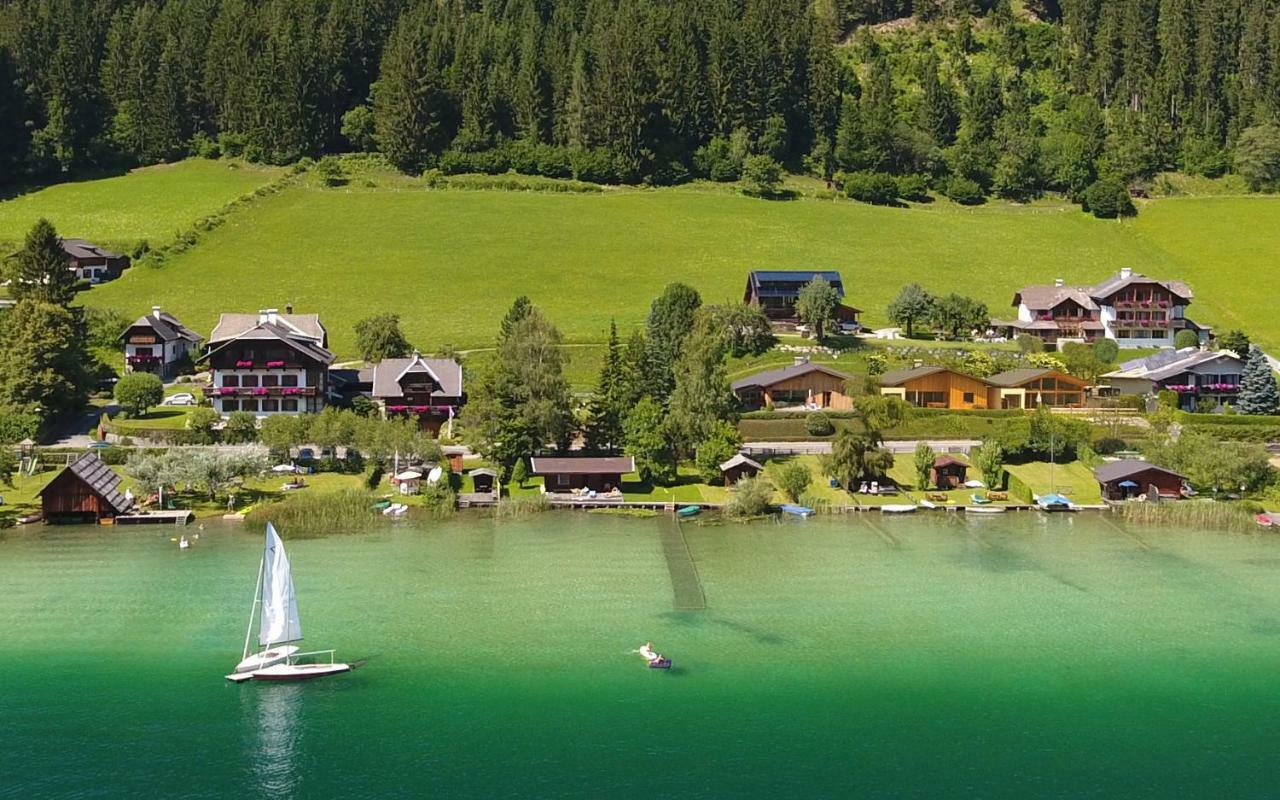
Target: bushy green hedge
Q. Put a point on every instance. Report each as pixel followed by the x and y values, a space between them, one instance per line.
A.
pixel 1187 418
pixel 1261 434
pixel 1017 488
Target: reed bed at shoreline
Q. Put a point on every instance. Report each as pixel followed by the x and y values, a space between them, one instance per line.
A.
pixel 1192 514
pixel 304 515
pixel 520 506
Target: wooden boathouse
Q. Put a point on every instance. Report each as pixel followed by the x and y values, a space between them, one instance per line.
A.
pixel 85 491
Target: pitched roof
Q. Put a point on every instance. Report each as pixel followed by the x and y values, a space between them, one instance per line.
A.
pixel 166 326
pixel 444 371
pixel 79 248
pixel 771 376
pixel 1115 283
pixel 792 278
pixel 1119 470
pixel 897 377
pixel 268 331
pixel 1168 363
pixel 236 326
pixel 1017 377
pixel 1044 297
pixel 945 460
pixel 739 460
pixel 95 474
pixel 583 465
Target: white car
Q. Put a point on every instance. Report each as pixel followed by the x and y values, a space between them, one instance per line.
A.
pixel 180 399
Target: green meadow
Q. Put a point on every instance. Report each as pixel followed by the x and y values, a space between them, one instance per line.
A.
pixel 152 203
pixel 450 261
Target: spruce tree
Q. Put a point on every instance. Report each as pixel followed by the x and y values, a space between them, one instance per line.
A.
pixel 43 361
pixel 1258 392
pixel 606 407
pixel 42 272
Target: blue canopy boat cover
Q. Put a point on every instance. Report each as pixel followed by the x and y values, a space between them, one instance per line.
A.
pixel 1053 500
pixel 798 511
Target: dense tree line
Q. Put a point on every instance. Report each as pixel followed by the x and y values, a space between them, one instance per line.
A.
pixel 968 98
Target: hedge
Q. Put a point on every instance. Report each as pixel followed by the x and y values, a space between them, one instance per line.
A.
pixel 1188 418
pixel 1017 488
pixel 1261 434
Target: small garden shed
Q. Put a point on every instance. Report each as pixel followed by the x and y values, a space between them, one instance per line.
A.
pixel 739 467
pixel 948 472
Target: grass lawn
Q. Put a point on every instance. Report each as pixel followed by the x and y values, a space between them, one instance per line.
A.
pixel 451 261
pixel 152 203
pixel 1073 480
pixel 169 418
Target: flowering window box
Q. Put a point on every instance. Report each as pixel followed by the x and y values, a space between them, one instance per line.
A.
pixel 225 390
pixel 260 391
pixel 1163 304
pixel 420 409
pixel 244 363
pixel 394 409
pixel 291 390
pixel 274 364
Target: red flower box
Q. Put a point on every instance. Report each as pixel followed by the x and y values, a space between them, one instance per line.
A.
pixel 274 364
pixel 244 363
pixel 227 390
pixel 259 391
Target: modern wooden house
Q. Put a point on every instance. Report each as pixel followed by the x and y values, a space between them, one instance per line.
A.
pixel 597 473
pixel 426 389
pixel 739 467
pixel 1034 387
pixel 1132 309
pixel 268 363
pixel 92 263
pixel 935 387
pixel 158 343
pixel 1122 480
pixel 803 384
pixel 948 472
pixel 1199 377
pixel 84 491
pixel 776 291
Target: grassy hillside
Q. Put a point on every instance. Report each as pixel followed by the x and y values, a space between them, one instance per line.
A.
pixel 152 203
pixel 451 261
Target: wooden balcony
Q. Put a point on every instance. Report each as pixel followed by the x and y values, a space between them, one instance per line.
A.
pixel 260 391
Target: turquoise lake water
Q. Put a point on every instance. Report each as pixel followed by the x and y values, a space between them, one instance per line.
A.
pixel 1019 656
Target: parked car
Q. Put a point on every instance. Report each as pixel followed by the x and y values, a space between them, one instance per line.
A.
pixel 179 399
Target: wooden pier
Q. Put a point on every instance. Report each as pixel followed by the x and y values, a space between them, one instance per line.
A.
pixel 180 516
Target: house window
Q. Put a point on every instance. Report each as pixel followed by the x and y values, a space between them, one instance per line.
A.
pixel 142 351
pixel 231 380
pixel 289 404
pixel 269 380
pixel 230 405
pixel 249 381
pixel 968 397
pixel 249 404
pixel 270 404
pixel 562 479
pixel 288 380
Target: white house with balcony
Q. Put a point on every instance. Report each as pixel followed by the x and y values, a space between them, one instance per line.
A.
pixel 158 343
pixel 268 363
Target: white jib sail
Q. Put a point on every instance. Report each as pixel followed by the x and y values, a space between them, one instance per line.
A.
pixel 279 621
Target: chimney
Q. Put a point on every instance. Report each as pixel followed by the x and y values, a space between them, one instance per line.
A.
pixel 288 308
pixel 1126 273
pixel 798 360
pixel 155 311
pixel 1059 282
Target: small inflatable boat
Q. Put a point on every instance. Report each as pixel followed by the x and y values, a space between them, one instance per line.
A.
pixel 655 659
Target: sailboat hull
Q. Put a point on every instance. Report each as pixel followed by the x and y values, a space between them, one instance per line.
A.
pixel 266 658
pixel 298 672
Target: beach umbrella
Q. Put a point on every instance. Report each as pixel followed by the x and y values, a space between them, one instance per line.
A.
pixel 284 468
pixel 1127 485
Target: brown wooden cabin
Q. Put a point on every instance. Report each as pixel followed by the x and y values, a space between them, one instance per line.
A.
pixel 85 491
pixel 803 384
pixel 1033 387
pixel 948 472
pixel 935 387
pixel 1122 480
pixel 598 473
pixel 739 467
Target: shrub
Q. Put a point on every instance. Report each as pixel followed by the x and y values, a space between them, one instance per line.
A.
pixel 113 456
pixel 200 424
pixel 762 176
pixel 1108 198
pixel 876 188
pixel 1109 445
pixel 819 424
pixel 913 187
pixel 1186 338
pixel 964 191
pixel 241 428
pixel 716 161
pixel 792 478
pixel 594 166
pixel 139 391
pixel 374 477
pixel 751 498
pixel 331 172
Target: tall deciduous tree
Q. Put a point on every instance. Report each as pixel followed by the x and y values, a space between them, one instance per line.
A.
pixel 817 305
pixel 43 362
pixel 913 304
pixel 671 318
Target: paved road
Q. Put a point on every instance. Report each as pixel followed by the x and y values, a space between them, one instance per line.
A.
pixel 75 433
pixel 823 448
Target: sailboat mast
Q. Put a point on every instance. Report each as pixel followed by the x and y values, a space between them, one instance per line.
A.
pixel 257 595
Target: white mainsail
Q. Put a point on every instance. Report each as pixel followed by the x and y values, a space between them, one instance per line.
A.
pixel 279 622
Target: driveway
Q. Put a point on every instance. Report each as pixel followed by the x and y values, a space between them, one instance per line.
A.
pixel 76 432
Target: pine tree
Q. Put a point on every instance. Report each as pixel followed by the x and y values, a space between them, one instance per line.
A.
pixel 409 97
pixel 43 361
pixel 1258 392
pixel 42 272
pixel 607 406
pixel 938 109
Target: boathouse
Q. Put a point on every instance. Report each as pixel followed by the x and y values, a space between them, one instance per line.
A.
pixel 948 472
pixel 739 467
pixel 1122 480
pixel 597 473
pixel 85 491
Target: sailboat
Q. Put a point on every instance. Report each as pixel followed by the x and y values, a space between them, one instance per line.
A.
pixel 276 607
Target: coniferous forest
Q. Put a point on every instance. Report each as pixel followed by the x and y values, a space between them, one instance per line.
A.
pixel 968 97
